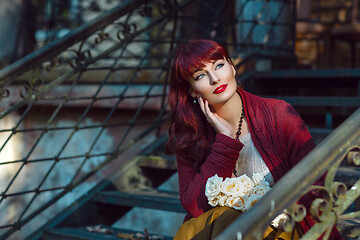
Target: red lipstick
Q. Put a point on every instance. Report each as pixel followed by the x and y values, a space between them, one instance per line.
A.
pixel 220 89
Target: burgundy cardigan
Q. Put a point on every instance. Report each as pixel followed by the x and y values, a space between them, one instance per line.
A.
pixel 278 133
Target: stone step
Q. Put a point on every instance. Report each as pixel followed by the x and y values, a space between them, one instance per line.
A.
pixel 314 101
pixel 319 134
pixel 158 168
pixel 349 229
pixel 153 199
pixel 336 82
pixel 348 175
pixel 98 232
pixel 159 162
pixel 343 74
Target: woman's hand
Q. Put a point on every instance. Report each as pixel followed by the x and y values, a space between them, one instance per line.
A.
pixel 220 124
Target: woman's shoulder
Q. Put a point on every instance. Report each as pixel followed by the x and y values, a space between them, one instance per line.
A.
pixel 259 101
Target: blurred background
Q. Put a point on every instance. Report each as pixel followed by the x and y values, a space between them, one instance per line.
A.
pixel 83 108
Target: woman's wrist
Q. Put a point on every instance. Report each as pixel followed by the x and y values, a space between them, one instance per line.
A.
pixel 228 134
pixel 226 139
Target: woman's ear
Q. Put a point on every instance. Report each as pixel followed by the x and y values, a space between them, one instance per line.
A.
pixel 234 70
pixel 232 64
pixel 192 92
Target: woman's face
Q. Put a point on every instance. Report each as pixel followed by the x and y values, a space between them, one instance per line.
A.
pixel 215 82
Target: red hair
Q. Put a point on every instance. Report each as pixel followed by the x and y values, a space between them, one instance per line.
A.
pixel 189 133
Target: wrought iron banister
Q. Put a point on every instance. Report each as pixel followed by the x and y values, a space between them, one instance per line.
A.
pixel 36 93
pixel 56 47
pixel 326 157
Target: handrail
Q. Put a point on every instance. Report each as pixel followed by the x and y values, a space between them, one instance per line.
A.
pixel 325 157
pixel 59 45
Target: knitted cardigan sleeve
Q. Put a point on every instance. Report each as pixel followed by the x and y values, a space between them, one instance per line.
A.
pixel 221 160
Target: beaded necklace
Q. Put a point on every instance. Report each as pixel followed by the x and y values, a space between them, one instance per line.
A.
pixel 239 130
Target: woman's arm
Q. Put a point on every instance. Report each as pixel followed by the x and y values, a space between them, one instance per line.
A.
pixel 221 160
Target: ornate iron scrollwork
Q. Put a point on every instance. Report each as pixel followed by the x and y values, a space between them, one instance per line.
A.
pixel 145 10
pixel 4 93
pixel 353 157
pixel 102 36
pixel 80 59
pixel 29 87
pixel 127 29
pixel 330 207
pixel 166 7
pixel 55 62
pixel 26 88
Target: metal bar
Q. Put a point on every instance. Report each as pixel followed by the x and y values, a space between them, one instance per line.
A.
pixel 32 191
pixel 55 48
pixel 139 123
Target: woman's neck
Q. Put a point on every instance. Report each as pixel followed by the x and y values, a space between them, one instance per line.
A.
pixel 231 110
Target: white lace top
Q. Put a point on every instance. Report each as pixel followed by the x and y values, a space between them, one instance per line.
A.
pixel 250 161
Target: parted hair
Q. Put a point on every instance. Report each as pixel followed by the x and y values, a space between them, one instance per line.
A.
pixel 189 131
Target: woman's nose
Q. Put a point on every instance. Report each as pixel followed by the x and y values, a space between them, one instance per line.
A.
pixel 214 78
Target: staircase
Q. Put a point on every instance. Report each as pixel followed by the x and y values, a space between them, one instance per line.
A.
pixel 137 183
pixel 134 185
pixel 324 98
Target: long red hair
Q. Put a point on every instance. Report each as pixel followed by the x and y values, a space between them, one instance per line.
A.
pixel 190 133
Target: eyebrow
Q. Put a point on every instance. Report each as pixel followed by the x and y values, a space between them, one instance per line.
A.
pixel 215 61
pixel 198 70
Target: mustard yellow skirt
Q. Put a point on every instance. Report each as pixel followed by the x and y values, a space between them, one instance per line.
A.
pixel 210 224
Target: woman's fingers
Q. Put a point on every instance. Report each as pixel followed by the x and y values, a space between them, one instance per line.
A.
pixel 207 112
pixel 220 124
pixel 201 103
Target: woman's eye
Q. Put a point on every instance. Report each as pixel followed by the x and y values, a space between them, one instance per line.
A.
pixel 200 76
pixel 219 65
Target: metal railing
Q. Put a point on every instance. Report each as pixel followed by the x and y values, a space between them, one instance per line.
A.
pixel 78 104
pixel 342 144
pixel 41 22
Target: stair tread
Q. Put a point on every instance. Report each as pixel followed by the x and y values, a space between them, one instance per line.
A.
pixel 154 199
pixel 92 233
pixel 159 162
pixel 344 74
pixel 348 175
pixel 317 101
pixel 349 228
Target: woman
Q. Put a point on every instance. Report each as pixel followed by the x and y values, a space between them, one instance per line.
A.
pixel 221 129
